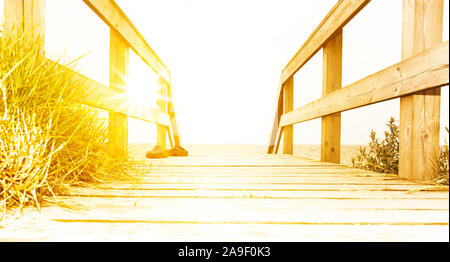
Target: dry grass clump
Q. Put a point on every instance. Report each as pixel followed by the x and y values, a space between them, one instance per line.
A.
pixel 382 155
pixel 47 141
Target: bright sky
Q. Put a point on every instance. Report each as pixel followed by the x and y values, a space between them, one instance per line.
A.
pixel 226 56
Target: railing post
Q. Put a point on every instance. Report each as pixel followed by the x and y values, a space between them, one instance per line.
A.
pixel 118 73
pixel 420 112
pixel 173 120
pixel 288 106
pixel 27 16
pixel 276 124
pixel 332 81
pixel 162 103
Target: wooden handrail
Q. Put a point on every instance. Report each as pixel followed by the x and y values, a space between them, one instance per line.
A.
pixel 342 12
pixel 335 20
pixel 115 18
pixel 427 70
pixel 417 80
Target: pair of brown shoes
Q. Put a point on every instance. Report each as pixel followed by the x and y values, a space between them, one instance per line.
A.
pixel 159 152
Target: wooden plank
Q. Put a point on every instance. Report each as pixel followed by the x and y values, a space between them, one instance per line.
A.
pixel 159 231
pixel 13 19
pixel 301 179
pixel 267 194
pixel 420 112
pixel 424 71
pixel 336 19
pixel 330 150
pixel 363 204
pixel 118 74
pixel 173 120
pixel 251 172
pixel 210 185
pixel 276 123
pixel 162 103
pixel 288 106
pixel 97 95
pixel 237 214
pixel 28 16
pixel 116 19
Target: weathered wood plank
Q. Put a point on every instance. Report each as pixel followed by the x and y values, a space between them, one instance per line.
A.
pixel 118 77
pixel 363 204
pixel 420 112
pixel 162 103
pixel 306 194
pixel 116 19
pixel 276 122
pixel 336 19
pixel 330 146
pixel 424 71
pixel 238 215
pixel 159 231
pixel 263 187
pixel 173 120
pixel 272 180
pixel 288 106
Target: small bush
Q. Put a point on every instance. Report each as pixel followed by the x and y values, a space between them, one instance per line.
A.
pixel 382 155
pixel 47 141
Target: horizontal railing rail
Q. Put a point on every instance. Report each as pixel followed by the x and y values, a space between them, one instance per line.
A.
pixel 427 70
pixel 424 69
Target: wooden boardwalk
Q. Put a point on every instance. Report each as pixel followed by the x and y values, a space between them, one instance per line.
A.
pixel 244 198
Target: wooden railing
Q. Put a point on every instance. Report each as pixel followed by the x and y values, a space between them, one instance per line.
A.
pixel 417 80
pixel 29 15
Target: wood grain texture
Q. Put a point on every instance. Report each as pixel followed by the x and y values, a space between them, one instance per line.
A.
pixel 118 77
pixel 424 71
pixel 162 103
pixel 288 106
pixel 25 15
pixel 332 81
pixel 420 112
pixel 254 200
pixel 97 95
pixel 175 134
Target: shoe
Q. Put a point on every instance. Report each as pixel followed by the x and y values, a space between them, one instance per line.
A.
pixel 177 151
pixel 156 152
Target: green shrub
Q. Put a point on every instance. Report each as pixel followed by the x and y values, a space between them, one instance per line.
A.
pixel 382 155
pixel 47 141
